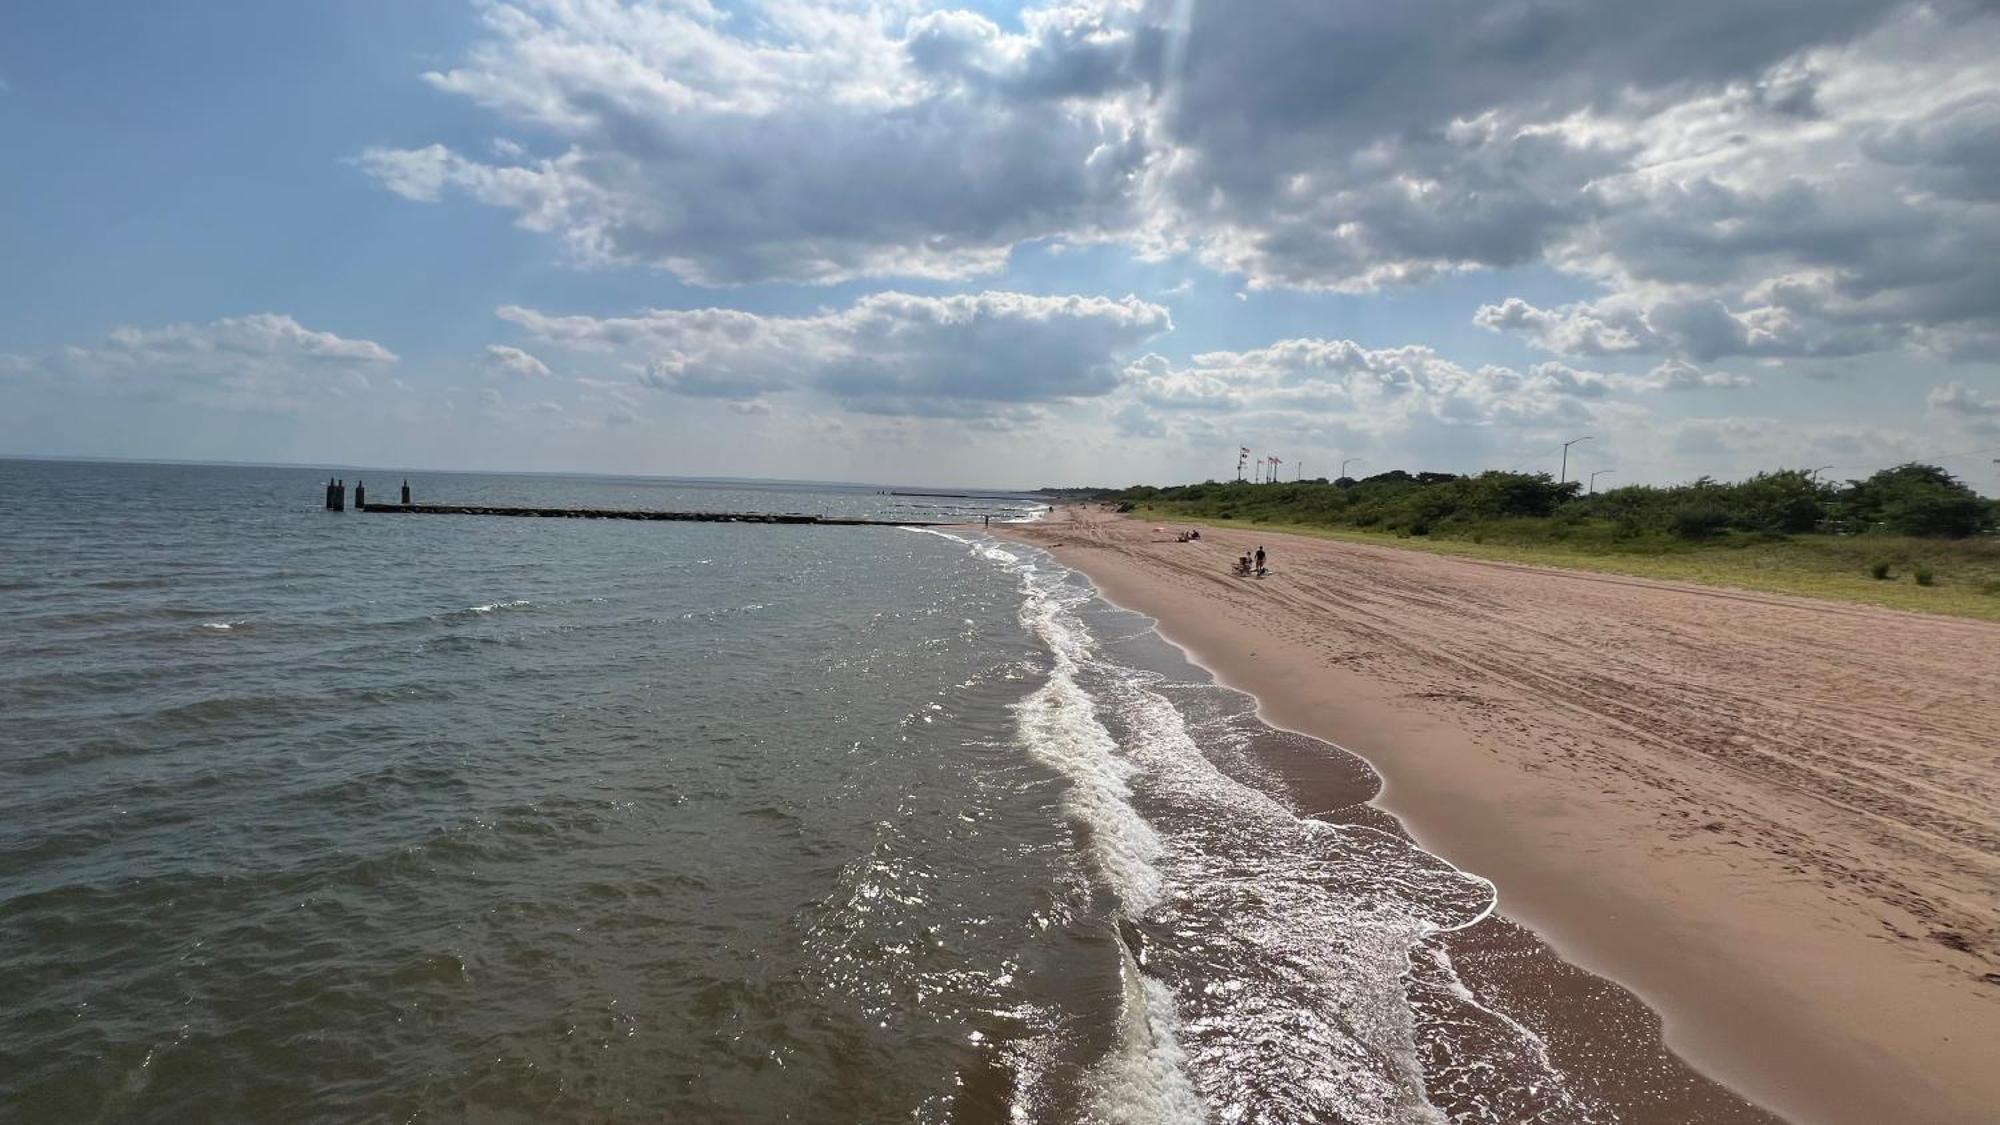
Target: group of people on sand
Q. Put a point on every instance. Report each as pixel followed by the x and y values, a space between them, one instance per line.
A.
pixel 1248 565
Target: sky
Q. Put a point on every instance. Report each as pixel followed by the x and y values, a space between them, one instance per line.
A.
pixel 1081 242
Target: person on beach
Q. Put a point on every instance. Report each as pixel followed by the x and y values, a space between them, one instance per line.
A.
pixel 1260 562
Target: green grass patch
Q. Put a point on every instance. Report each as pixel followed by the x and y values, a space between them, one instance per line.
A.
pixel 1963 574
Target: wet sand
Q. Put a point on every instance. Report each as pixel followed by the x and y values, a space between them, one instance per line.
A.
pixel 1774 819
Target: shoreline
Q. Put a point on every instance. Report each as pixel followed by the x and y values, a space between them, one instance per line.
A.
pixel 1679 875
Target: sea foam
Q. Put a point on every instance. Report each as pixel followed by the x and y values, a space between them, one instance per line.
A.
pixel 1278 951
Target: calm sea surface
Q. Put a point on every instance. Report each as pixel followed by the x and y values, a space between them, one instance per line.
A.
pixel 333 817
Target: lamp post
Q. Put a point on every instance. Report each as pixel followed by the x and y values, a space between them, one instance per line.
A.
pixel 1595 475
pixel 1344 465
pixel 1813 474
pixel 1564 478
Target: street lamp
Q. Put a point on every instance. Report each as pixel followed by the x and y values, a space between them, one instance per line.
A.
pixel 1813 474
pixel 1595 475
pixel 1345 464
pixel 1564 479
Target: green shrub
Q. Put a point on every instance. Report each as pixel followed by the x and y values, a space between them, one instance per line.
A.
pixel 1924 575
pixel 1921 500
pixel 1916 500
pixel 1778 503
pixel 1879 569
pixel 1699 519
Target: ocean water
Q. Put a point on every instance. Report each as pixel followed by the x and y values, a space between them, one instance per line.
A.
pixel 309 816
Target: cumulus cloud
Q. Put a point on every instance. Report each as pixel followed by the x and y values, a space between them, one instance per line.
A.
pixel 1579 329
pixel 970 356
pixel 513 361
pixel 1957 398
pixel 1803 178
pixel 1338 394
pixel 1968 407
pixel 1370 388
pixel 266 361
pixel 1834 203
pixel 233 340
pixel 1679 375
pixel 817 143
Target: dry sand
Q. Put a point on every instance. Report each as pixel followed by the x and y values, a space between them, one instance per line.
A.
pixel 1775 819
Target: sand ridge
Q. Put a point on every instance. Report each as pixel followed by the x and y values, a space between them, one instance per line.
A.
pixel 1777 819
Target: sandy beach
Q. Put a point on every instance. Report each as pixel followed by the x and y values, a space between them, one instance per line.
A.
pixel 1773 819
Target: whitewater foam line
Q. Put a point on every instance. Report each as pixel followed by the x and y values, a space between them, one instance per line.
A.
pixel 1058 726
pixel 1143 1079
pixel 984 548
pixel 1311 963
pixel 1215 679
pixel 1359 901
pixel 1441 959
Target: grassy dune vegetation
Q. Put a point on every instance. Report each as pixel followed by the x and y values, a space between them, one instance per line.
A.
pixel 1911 538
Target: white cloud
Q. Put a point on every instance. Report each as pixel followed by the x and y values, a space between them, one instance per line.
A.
pixel 818 143
pixel 1835 203
pixel 1791 178
pixel 967 356
pixel 266 361
pixel 1679 375
pixel 513 361
pixel 1579 330
pixel 230 340
pixel 1957 398
pixel 1304 382
pixel 1969 408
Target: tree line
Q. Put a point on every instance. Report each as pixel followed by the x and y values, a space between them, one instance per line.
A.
pixel 1914 499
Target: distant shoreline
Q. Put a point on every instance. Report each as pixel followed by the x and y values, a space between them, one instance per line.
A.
pixel 1634 788
pixel 578 474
